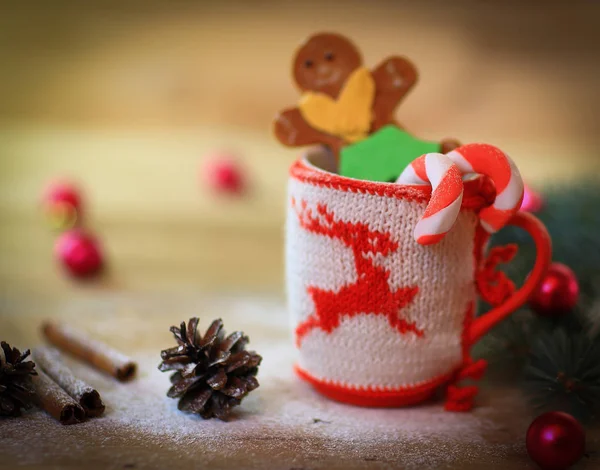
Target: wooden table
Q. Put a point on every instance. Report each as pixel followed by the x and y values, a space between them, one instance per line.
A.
pixel 82 107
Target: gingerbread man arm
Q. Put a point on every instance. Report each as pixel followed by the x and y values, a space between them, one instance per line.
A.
pixel 292 130
pixel 394 78
pixel 447 145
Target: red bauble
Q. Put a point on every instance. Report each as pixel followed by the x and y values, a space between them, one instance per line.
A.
pixel 532 201
pixel 223 174
pixel 62 204
pixel 555 440
pixel 558 292
pixel 79 252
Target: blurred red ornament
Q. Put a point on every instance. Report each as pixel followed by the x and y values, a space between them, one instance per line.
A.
pixel 62 204
pixel 557 294
pixel 79 252
pixel 223 174
pixel 555 440
pixel 532 201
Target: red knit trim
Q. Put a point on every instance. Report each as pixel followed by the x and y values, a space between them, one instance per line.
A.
pixel 493 285
pixel 478 193
pixel 460 398
pixel 367 396
pixel 463 398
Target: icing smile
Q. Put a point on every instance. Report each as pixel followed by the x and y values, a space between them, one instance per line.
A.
pixel 333 77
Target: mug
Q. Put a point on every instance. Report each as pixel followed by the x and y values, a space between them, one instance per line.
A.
pixel 378 319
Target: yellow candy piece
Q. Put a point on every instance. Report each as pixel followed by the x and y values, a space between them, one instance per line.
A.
pixel 349 117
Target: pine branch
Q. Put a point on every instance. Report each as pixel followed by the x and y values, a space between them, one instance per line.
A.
pixel 559 357
pixel 563 373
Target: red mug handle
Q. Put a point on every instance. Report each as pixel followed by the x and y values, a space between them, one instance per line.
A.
pixel 543 246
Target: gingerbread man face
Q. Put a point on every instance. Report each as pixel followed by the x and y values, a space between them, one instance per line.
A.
pixel 324 63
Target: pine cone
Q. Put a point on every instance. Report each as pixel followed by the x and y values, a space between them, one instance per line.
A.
pixel 16 388
pixel 213 372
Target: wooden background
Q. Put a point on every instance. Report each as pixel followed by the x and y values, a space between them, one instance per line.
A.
pixel 128 98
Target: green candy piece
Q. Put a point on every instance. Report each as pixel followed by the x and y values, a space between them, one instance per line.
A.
pixel 383 155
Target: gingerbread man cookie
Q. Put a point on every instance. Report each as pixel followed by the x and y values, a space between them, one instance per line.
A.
pixel 342 101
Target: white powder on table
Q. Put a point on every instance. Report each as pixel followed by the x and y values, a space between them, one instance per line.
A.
pixel 283 424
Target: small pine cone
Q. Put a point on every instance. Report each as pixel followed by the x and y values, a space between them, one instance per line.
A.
pixel 16 388
pixel 212 372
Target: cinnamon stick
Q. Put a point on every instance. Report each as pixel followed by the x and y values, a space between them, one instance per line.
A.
pixel 95 353
pixel 55 400
pixel 52 363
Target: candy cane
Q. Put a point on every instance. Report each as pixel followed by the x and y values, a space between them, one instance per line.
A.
pixel 446 198
pixel 491 161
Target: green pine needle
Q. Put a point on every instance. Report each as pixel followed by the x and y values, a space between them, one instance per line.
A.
pixel 563 373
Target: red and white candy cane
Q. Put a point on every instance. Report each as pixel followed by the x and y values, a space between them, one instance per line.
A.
pixel 446 198
pixel 488 160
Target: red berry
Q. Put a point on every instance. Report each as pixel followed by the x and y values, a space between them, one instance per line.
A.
pixel 62 192
pixel 224 175
pixel 79 253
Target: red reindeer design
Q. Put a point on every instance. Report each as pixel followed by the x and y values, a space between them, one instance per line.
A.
pixel 371 293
